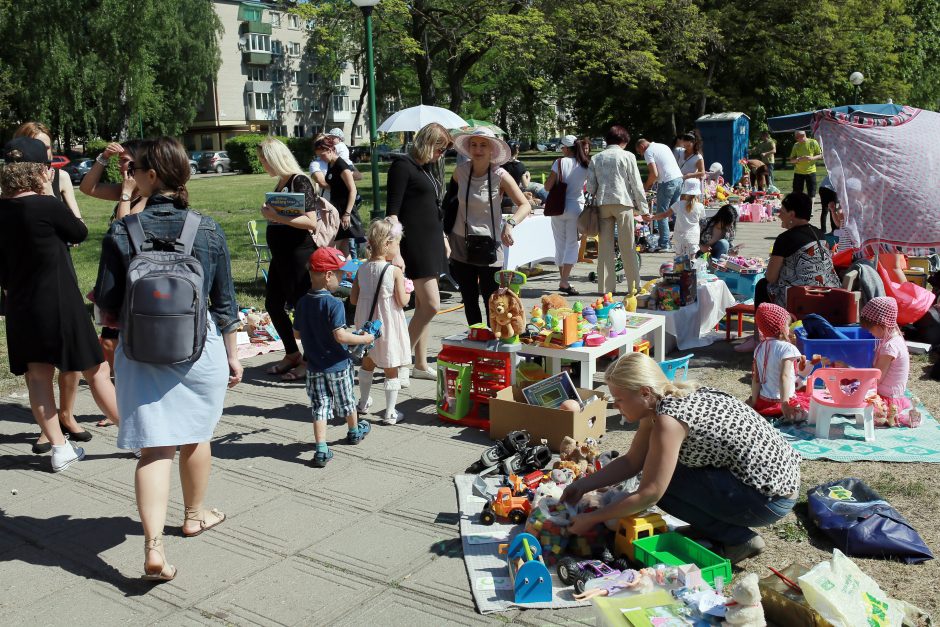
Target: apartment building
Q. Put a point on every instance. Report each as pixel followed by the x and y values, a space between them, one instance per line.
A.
pixel 269 83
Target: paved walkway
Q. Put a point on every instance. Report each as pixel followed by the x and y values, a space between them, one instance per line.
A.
pixel 371 539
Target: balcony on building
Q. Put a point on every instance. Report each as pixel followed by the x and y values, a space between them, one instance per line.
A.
pixel 255 43
pixel 260 103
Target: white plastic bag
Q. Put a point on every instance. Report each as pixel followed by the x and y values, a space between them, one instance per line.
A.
pixel 847 597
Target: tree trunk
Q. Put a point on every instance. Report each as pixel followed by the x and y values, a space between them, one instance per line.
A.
pixel 672 122
pixel 423 64
pixel 327 107
pixel 359 106
pixel 708 81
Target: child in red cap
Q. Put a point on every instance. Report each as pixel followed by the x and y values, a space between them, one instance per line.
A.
pixel 773 371
pixel 892 407
pixel 320 324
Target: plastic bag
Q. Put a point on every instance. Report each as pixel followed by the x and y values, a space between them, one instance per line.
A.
pixel 861 523
pixel 847 597
pixel 549 524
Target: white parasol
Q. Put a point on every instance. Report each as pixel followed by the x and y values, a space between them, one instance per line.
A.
pixel 415 118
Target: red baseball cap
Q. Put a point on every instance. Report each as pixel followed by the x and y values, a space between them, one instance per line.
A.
pixel 326 259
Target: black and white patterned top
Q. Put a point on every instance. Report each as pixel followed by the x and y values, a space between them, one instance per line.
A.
pixel 726 433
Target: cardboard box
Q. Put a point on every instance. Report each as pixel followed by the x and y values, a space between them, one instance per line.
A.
pixel 510 412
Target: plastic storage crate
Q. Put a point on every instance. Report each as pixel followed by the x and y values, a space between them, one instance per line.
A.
pixel 857 352
pixel 740 284
pixel 674 549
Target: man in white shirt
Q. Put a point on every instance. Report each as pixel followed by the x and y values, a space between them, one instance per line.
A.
pixel 663 169
pixel 343 151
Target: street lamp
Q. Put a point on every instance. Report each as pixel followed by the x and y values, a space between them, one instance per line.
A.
pixel 366 7
pixel 857 78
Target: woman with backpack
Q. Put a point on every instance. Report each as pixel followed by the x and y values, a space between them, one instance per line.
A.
pixel 291 244
pixel 165 405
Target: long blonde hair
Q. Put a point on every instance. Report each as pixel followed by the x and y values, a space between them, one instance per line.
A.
pixel 279 157
pixel 635 370
pixel 430 136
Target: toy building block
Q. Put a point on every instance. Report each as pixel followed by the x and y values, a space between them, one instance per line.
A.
pixel 633 528
pixel 531 581
pixel 642 346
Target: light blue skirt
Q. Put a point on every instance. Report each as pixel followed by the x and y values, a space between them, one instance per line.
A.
pixel 171 405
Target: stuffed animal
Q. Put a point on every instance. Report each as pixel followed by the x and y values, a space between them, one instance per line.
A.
pixel 561 477
pixel 553 301
pixel 570 451
pixel 507 316
pixel 746 610
pixel 566 465
pixel 547 490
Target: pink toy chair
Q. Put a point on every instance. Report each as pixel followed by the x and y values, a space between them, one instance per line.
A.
pixel 833 400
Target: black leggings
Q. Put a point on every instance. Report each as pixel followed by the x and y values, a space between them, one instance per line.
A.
pixel 288 280
pixel 760 293
pixel 475 281
pixel 826 196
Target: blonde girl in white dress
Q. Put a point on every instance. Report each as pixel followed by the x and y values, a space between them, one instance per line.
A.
pixel 393 349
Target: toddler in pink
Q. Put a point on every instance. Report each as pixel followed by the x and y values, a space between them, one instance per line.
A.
pixel 892 407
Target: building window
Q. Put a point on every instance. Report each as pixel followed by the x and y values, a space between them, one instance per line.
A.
pixel 296 104
pixel 339 103
pixel 248 13
pixel 257 42
pixel 257 73
pixel 205 142
pixel 295 77
pixel 359 130
pixel 311 78
pixel 293 21
pixel 276 47
pixel 293 49
pixel 275 19
pixel 354 80
pixel 315 105
pixel 299 130
pixel 277 76
pixel 260 100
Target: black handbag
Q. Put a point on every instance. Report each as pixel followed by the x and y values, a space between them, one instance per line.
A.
pixel 481 249
pixel 450 206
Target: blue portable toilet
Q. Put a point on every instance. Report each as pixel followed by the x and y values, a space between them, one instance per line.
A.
pixel 725 138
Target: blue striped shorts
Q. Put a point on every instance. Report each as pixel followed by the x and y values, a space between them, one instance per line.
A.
pixel 331 393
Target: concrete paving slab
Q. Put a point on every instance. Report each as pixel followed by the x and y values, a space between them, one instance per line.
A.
pixel 363 484
pixel 312 520
pixel 434 504
pixel 290 592
pixel 400 607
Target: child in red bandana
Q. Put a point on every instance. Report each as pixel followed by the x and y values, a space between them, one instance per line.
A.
pixel 774 369
pixel 892 407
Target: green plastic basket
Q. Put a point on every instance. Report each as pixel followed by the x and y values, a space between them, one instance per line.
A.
pixel 674 549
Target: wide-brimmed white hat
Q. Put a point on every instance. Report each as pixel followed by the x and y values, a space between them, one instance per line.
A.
pixel 691 187
pixel 500 152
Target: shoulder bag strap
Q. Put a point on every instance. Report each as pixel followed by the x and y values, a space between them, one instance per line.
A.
pixel 378 288
pixel 188 233
pixel 489 192
pixel 466 203
pixel 135 232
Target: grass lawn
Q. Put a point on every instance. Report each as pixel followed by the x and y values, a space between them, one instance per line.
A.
pixel 233 201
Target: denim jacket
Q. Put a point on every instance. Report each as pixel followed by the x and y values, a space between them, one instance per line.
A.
pixel 161 219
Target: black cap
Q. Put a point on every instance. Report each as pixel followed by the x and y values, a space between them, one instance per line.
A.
pixel 25 150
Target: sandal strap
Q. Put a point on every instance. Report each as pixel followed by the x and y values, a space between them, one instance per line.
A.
pixel 199 515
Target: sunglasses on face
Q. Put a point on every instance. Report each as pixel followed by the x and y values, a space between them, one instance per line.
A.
pixel 132 167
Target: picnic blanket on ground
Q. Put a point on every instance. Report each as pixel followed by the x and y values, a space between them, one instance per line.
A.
pixel 486 568
pixel 884 178
pixel 897 444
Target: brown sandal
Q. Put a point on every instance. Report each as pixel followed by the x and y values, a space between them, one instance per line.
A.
pixel 285 365
pixel 297 373
pixel 167 572
pixel 199 515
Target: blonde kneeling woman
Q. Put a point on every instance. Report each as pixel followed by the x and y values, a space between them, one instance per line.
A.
pixel 706 458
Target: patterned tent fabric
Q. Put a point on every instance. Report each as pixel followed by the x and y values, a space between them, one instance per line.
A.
pixel 886 173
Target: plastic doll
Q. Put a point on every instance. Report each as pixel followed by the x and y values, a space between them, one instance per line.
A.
pixel 638 582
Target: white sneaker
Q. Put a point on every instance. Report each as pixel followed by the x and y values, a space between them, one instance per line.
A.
pixel 393 418
pixel 364 409
pixel 428 375
pixel 64 456
pixel 404 376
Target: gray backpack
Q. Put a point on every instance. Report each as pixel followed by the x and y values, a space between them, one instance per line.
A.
pixel 164 315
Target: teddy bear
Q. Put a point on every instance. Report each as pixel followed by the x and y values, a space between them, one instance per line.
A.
pixel 570 451
pixel 562 477
pixel 747 610
pixel 506 314
pixel 569 466
pixel 546 490
pixel 553 301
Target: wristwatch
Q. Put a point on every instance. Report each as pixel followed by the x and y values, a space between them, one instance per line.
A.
pixel 102 160
pixel 125 197
pixel 511 221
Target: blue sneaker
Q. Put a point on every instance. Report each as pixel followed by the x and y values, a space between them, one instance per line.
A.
pixel 320 458
pixel 361 432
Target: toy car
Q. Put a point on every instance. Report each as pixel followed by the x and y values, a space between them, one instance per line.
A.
pixel 505 505
pixel 578 572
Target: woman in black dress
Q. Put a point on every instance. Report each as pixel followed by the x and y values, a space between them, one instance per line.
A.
pixel 342 186
pixel 291 245
pixel 414 201
pixel 59 188
pixel 47 324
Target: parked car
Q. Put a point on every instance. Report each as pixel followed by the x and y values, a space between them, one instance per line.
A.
pixel 193 166
pixel 78 169
pixel 195 154
pixel 359 154
pixel 59 161
pixel 598 143
pixel 553 144
pixel 214 161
